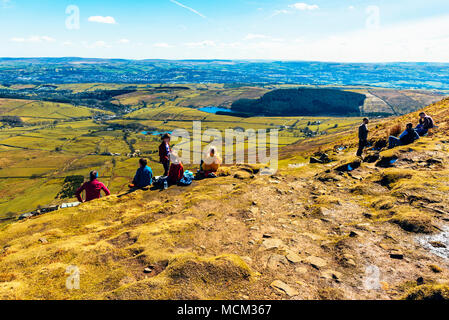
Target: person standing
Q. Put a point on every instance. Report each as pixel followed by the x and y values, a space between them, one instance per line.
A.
pixel 93 189
pixel 164 153
pixel 363 137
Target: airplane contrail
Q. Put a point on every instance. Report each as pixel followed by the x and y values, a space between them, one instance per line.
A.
pixel 188 8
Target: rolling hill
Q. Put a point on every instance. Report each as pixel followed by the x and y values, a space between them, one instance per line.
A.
pixel 344 230
pixel 303 102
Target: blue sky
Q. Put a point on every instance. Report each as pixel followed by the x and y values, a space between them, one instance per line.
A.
pixel 326 30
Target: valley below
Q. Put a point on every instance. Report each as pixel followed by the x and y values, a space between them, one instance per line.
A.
pixel 340 229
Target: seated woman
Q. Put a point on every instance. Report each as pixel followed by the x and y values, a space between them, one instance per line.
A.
pixel 210 165
pixel 176 171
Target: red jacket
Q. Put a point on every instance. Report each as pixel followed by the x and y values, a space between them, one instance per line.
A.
pixel 93 190
pixel 176 173
pixel 164 152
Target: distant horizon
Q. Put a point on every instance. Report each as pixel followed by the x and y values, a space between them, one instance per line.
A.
pixel 224 59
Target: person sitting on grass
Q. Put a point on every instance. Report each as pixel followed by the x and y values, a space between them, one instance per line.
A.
pixel 211 163
pixel 176 171
pixel 93 189
pixel 425 123
pixel 164 153
pixel 144 176
pixel 407 137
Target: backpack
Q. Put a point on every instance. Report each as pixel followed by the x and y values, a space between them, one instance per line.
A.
pixel 187 179
pixel 431 122
pixel 159 182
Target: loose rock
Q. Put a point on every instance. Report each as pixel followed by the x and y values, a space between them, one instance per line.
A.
pixel 316 262
pixel 284 288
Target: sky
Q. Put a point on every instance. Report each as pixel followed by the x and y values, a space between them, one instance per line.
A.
pixel 315 30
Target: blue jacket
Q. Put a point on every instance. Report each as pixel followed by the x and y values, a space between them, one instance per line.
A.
pixel 144 177
pixel 409 136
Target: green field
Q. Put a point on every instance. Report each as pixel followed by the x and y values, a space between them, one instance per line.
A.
pixel 59 140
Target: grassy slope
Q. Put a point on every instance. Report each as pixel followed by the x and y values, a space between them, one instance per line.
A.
pixel 232 237
pixel 32 112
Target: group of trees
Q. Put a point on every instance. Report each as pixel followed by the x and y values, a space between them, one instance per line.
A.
pixel 13 121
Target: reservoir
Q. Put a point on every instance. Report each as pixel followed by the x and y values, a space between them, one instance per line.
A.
pixel 214 110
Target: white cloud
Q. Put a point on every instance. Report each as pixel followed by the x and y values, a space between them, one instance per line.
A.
pixel 101 19
pixel 188 8
pixel 252 36
pixel 162 45
pixel 299 6
pixel 124 41
pixel 278 12
pixel 33 39
pixel 67 44
pixel 304 6
pixel 100 44
pixel 420 40
pixel 201 44
pixel 6 3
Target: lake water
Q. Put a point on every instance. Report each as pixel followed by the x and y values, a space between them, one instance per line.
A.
pixel 155 133
pixel 214 110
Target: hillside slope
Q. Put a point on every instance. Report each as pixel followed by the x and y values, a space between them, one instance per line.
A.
pixel 312 231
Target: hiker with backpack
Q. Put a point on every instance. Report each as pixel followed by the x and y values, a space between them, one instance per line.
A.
pixel 144 176
pixel 92 188
pixel 409 136
pixel 164 153
pixel 211 163
pixel 425 123
pixel 363 137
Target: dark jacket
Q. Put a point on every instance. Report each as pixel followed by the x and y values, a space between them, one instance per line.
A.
pixel 144 177
pixel 409 136
pixel 427 122
pixel 363 132
pixel 164 152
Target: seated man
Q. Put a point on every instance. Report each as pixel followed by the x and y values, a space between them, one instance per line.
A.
pixel 211 163
pixel 407 137
pixel 425 123
pixel 143 177
pixel 176 171
pixel 93 189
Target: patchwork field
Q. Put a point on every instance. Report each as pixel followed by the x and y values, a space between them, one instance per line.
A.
pixel 39 112
pixel 36 158
pixel 42 143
